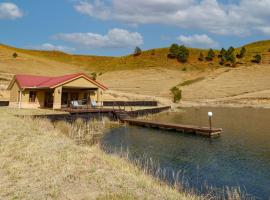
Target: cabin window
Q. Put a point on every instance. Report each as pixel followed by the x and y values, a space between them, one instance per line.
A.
pixel 32 96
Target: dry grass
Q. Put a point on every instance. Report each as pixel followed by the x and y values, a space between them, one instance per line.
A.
pixel 37 161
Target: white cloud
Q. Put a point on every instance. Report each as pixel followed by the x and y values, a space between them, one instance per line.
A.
pixel 115 38
pixel 240 18
pixel 265 30
pixel 199 41
pixel 10 11
pixel 50 47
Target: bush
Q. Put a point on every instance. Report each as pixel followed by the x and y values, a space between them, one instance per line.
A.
pixel 173 51
pixel 257 58
pixel 201 57
pixel 210 55
pixel 15 55
pixel 183 54
pixel 137 51
pixel 177 94
pixel 94 75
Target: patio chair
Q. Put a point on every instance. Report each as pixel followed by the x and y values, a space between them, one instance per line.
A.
pixel 75 104
pixel 94 104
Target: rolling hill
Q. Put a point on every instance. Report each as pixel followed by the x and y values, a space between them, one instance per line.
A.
pixel 148 59
pixel 152 73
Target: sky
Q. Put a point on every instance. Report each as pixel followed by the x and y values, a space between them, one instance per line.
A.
pixel 116 27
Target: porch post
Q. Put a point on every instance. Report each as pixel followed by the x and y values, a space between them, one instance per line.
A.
pixel 99 97
pixel 57 98
pixel 20 99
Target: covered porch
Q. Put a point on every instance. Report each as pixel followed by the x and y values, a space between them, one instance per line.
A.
pixel 73 97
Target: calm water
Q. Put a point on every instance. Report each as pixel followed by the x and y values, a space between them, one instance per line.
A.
pixel 240 157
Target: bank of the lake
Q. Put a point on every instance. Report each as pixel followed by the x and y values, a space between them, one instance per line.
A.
pixel 38 161
pixel 239 158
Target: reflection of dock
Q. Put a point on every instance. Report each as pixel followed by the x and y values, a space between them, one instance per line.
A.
pixel 203 131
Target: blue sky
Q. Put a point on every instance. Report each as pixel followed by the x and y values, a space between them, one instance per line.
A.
pixel 115 27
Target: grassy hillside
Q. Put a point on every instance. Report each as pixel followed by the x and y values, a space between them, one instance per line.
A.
pixel 28 60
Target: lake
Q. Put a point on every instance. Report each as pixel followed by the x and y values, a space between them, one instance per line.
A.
pixel 240 157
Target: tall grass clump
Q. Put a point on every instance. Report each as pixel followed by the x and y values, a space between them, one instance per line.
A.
pixel 176 94
pixel 85 132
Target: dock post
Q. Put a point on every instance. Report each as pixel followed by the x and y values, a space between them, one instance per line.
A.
pixel 210 114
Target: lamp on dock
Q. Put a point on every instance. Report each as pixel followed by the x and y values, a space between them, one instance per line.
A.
pixel 210 115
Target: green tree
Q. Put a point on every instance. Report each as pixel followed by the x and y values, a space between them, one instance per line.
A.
pixel 227 56
pixel 210 55
pixel 230 58
pixel 201 57
pixel 183 54
pixel 176 93
pixel 173 51
pixel 242 53
pixel 222 53
pixel 230 50
pixel 15 55
pixel 137 51
pixel 257 58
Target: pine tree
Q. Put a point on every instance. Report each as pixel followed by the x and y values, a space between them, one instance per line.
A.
pixel 210 55
pixel 137 51
pixel 183 54
pixel 173 52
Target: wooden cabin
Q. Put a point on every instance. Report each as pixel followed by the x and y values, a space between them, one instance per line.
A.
pixel 30 91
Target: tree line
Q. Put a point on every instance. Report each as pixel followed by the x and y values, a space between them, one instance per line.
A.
pixel 226 57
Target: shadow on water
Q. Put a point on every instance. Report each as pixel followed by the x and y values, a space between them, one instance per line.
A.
pixel 240 157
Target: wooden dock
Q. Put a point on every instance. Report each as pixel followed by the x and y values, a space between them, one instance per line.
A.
pixel 203 131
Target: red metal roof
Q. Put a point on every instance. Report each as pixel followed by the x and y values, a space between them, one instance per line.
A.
pixel 32 81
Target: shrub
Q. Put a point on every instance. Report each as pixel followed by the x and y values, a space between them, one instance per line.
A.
pixel 15 55
pixel 210 55
pixel 257 58
pixel 137 51
pixel 201 57
pixel 94 75
pixel 183 54
pixel 242 53
pixel 177 94
pixel 173 51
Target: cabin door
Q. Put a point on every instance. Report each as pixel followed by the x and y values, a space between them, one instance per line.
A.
pixel 48 100
pixel 64 99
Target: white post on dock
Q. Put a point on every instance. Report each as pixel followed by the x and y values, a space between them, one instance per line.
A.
pixel 210 114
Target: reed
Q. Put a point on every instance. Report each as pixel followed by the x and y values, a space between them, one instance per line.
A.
pixel 86 132
pixel 177 180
